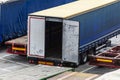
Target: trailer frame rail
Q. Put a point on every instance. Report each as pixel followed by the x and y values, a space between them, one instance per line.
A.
pixel 109 58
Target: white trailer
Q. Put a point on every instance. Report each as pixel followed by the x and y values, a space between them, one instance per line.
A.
pixel 67 33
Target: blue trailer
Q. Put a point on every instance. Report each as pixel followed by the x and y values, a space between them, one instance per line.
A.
pixel 69 33
pixel 13 15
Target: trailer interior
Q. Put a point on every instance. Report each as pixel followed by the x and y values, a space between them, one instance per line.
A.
pixel 53 40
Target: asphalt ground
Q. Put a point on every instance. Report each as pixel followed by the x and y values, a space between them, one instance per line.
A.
pixel 11 62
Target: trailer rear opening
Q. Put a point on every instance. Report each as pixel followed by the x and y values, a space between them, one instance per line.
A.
pixel 53 40
pixel 57 40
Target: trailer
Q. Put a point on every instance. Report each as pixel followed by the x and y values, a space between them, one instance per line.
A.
pixel 108 58
pixel 14 13
pixel 17 46
pixel 18 11
pixel 67 34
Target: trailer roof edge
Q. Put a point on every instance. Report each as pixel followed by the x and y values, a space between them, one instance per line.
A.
pixel 75 8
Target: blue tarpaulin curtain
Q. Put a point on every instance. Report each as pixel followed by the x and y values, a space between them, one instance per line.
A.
pixel 13 15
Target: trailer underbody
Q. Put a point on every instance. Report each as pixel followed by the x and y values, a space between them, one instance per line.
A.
pixel 17 46
pixel 109 58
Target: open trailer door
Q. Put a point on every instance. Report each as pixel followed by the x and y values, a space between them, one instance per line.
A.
pixel 70 44
pixel 36 36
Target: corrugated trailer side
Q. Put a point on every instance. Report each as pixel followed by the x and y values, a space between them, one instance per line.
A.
pixel 44 4
pixel 14 15
pixel 83 26
pixel 13 19
pixel 97 25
